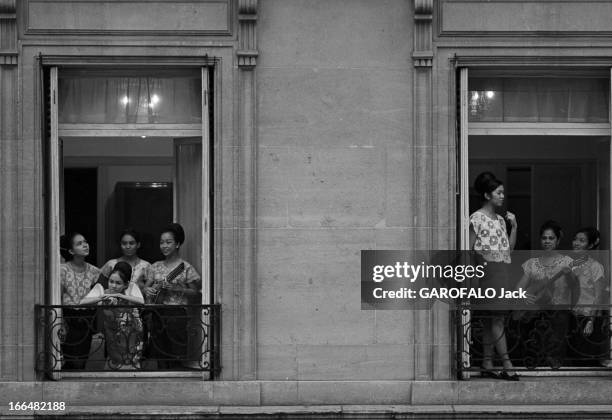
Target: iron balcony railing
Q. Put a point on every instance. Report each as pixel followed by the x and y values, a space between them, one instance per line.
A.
pixel 547 339
pixel 86 338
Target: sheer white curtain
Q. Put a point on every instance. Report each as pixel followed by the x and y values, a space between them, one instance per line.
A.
pixel 188 190
pixel 538 99
pixel 130 99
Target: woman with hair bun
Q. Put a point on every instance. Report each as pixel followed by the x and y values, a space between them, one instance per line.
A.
pixel 76 278
pixel 173 282
pixel 122 325
pixel 489 238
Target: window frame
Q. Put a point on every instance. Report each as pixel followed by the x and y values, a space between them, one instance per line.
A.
pixel 491 68
pixel 53 162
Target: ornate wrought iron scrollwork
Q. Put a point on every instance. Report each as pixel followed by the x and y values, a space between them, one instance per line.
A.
pixel 127 337
pixel 546 339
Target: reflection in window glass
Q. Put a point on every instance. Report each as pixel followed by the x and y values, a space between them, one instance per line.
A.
pixel 538 99
pixel 131 99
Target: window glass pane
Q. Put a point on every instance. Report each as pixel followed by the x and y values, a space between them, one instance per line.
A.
pixel 137 98
pixel 538 99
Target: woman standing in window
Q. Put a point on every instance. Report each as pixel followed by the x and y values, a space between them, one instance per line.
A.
pixel 129 240
pixel 489 238
pixel 76 277
pixel 173 282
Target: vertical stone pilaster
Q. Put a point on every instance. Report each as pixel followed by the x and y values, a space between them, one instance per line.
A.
pixel 245 331
pixel 11 292
pixel 423 176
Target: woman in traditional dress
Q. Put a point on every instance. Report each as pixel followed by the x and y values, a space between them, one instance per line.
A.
pixel 76 277
pixel 172 282
pixel 489 238
pixel 551 285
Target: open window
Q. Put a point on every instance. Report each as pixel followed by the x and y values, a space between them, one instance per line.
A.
pixel 546 134
pixel 129 147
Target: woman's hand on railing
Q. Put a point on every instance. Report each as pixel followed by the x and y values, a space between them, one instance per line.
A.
pixel 588 328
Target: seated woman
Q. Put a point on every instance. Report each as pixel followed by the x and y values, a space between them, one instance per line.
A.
pixel 549 281
pixel 122 326
pixel 172 282
pixel 591 335
pixel 129 241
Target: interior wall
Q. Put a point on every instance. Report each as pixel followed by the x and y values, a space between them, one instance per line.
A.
pixel 569 179
pixel 118 160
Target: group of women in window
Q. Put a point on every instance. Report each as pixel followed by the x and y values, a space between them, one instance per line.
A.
pixel 119 285
pixel 570 285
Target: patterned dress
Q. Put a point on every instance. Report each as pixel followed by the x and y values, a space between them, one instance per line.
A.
pixel 491 237
pixel 76 284
pixel 172 327
pixel 588 273
pixel 159 271
pixel 493 245
pixel 538 274
pixel 77 329
pixel 123 331
pixel 546 331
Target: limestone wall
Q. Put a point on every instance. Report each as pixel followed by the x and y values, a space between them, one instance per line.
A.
pixel 337 174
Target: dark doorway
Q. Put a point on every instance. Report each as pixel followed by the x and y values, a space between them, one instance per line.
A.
pixel 81 206
pixel 145 207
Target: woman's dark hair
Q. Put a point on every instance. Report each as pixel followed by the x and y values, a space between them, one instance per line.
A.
pixel 66 245
pixel 129 231
pixel 124 270
pixel 177 232
pixel 592 235
pixel 486 183
pixel 554 226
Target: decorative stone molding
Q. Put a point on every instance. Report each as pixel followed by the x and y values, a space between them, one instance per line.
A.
pixel 8 59
pixel 423 33
pixel 423 164
pixel 8 32
pixel 8 6
pixel 78 18
pixel 247 36
pixel 245 355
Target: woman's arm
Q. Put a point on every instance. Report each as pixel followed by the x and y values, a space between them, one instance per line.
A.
pixel 149 280
pixel 512 238
pixel 574 286
pixel 95 295
pixel 129 298
pixel 601 297
pixel 523 282
pixel 472 236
